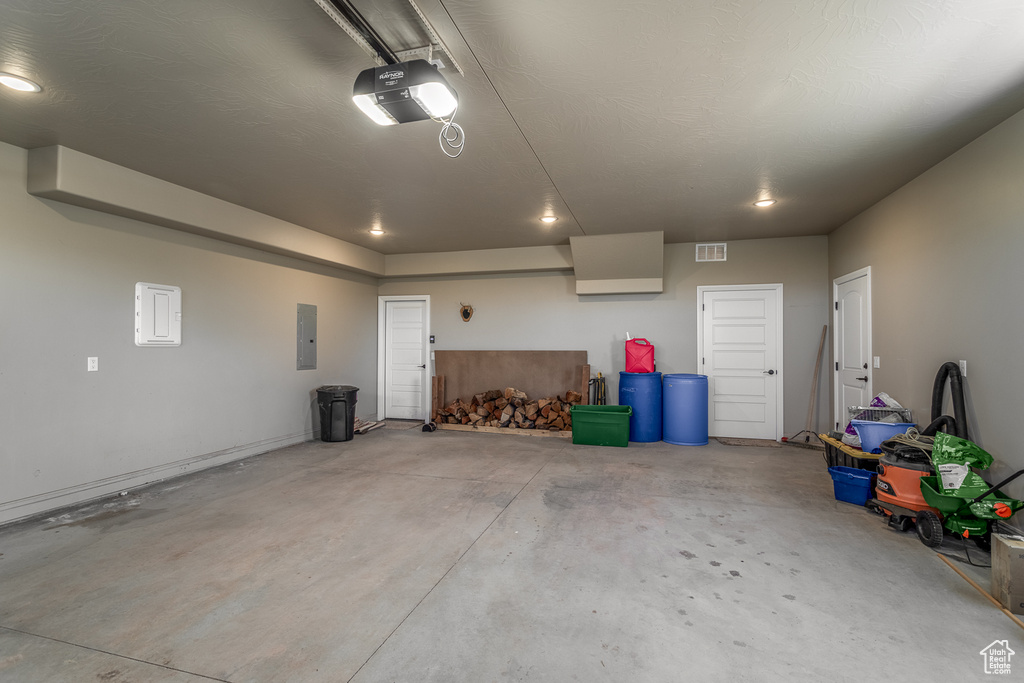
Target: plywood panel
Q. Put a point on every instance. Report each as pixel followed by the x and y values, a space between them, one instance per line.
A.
pixel 539 373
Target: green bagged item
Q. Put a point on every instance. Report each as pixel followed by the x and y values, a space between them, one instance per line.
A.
pixel 953 458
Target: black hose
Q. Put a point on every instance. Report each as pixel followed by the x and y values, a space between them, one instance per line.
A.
pixel 951 371
pixel 941 421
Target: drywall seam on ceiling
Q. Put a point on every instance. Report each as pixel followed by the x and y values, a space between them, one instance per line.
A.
pixel 68 176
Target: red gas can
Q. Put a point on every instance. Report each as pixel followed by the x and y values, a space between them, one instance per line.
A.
pixel 639 355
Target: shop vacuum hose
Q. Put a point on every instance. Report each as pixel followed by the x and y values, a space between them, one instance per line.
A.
pixel 957 426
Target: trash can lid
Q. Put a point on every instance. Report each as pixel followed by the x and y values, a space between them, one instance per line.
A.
pixel 337 389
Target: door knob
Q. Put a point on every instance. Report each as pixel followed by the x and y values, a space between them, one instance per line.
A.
pixel 768 372
pixel 424 366
pixel 862 379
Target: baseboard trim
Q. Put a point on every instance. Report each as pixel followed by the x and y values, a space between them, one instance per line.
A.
pixel 23 508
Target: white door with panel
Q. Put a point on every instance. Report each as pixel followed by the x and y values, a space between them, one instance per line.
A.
pixel 852 294
pixel 740 351
pixel 405 359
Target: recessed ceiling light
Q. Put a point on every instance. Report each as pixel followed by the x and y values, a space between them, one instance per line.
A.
pixel 18 83
pixel 548 219
pixel 376 231
pixel 764 202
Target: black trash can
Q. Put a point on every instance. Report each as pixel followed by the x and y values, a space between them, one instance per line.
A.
pixel 337 411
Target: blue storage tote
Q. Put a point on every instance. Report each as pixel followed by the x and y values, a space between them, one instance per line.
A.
pixel 852 485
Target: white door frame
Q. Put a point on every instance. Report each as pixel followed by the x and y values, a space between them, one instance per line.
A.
pixel 839 411
pixel 777 287
pixel 381 352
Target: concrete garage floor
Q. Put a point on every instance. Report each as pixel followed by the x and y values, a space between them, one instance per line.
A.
pixel 411 556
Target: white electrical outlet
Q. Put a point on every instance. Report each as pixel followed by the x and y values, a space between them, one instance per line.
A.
pixel 963 368
pixel 94 364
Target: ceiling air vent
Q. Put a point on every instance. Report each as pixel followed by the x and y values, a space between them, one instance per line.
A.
pixel 711 251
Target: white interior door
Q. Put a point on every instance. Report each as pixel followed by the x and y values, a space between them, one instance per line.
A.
pixel 740 351
pixel 852 295
pixel 405 361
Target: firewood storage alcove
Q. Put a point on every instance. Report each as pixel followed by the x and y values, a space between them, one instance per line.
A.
pixel 538 374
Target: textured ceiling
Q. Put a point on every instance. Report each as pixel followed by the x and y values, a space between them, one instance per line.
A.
pixel 614 116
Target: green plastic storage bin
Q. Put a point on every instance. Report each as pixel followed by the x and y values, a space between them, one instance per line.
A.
pixel 601 425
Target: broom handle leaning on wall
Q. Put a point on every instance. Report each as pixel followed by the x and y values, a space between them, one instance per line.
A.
pixel 814 384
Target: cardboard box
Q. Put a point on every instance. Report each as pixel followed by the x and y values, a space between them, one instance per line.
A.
pixel 1008 571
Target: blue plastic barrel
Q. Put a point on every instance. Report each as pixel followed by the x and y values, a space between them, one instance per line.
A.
pixel 686 409
pixel 642 392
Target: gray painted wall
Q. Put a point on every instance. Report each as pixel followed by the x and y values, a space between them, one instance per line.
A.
pixel 542 311
pixel 945 252
pixel 67 278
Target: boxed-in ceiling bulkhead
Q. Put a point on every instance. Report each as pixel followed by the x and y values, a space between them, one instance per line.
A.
pixel 619 264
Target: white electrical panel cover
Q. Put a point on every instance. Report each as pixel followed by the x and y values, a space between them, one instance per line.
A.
pixel 157 315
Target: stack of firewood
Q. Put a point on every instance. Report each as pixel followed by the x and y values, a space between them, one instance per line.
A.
pixel 512 409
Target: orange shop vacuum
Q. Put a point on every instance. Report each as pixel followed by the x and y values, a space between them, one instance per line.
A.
pixel 898 486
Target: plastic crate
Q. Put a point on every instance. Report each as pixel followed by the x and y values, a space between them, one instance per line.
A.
pixel 839 454
pixel 852 485
pixel 837 458
pixel 875 414
pixel 601 425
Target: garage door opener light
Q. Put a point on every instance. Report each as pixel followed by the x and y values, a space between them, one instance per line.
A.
pixel 410 91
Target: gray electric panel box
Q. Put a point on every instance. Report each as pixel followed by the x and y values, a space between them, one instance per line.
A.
pixel 306 338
